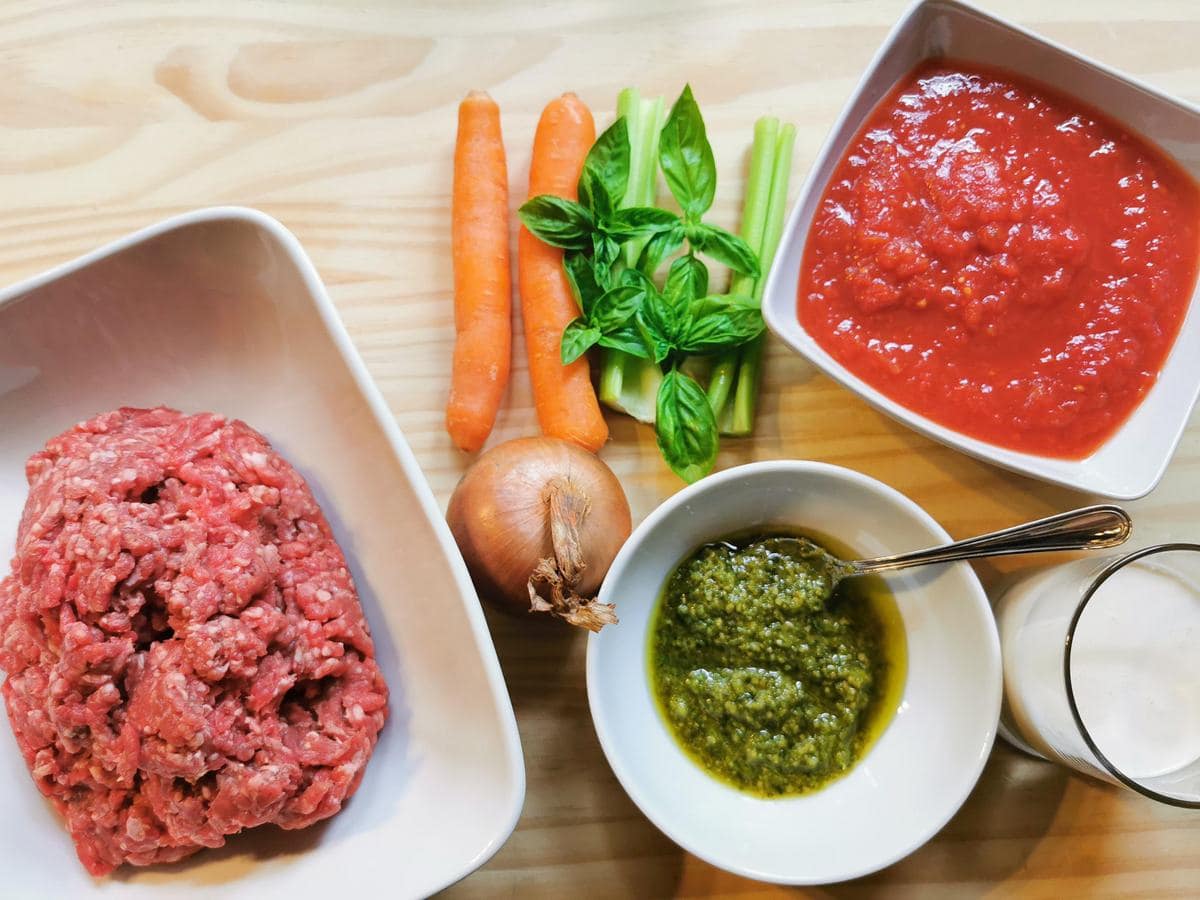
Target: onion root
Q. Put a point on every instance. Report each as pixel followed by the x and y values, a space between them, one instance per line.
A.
pixel 560 575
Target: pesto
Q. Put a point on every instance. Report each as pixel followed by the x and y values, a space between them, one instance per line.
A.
pixel 765 683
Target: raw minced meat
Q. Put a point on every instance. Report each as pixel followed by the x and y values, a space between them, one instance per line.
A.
pixel 185 651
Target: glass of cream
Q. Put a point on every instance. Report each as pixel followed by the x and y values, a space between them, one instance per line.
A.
pixel 1102 668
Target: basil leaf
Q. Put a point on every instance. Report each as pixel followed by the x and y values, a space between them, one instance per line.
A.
pixel 636 221
pixel 582 279
pixel 658 248
pixel 677 300
pixel 577 338
pixel 616 307
pixel 687 279
pixel 558 222
pixel 629 339
pixel 719 323
pixel 686 157
pixel 604 253
pixel 634 278
pixel 725 248
pixel 655 323
pixel 605 174
pixel 685 427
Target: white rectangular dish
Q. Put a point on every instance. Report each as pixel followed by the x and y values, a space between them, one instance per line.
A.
pixel 1134 459
pixel 222 310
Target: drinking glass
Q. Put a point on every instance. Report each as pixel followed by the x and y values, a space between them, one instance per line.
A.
pixel 1098 673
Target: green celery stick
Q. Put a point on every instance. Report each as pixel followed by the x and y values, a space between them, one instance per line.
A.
pixel 754 219
pixel 749 375
pixel 627 383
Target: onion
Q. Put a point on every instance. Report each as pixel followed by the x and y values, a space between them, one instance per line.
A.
pixel 539 521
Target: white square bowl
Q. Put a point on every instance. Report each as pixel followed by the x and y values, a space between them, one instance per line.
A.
pixel 222 310
pixel 1134 459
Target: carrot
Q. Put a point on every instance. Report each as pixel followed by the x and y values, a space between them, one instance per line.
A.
pixel 563 395
pixel 482 281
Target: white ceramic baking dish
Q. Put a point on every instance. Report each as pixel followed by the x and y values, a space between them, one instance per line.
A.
pixel 222 310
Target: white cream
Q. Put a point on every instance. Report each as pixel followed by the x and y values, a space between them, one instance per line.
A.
pixel 1135 667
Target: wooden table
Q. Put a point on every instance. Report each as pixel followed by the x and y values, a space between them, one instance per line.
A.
pixel 340 122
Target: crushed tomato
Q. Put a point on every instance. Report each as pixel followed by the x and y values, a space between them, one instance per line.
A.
pixel 1002 259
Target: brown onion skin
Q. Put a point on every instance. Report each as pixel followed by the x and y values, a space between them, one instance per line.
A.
pixel 491 532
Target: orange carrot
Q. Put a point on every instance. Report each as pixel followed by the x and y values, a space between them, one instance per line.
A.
pixel 482 282
pixel 565 399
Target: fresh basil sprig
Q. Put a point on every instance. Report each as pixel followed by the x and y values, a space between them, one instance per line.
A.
pixel 682 318
pixel 608 315
pixel 623 308
pixel 686 159
pixel 594 225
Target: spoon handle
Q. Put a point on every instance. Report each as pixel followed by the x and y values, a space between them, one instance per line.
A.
pixel 1089 528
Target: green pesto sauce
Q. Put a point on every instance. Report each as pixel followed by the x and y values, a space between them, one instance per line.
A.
pixel 768 682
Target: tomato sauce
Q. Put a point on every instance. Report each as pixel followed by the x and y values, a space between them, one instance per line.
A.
pixel 1002 259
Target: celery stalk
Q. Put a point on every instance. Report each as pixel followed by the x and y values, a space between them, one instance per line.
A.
pixel 758 196
pixel 754 219
pixel 644 118
pixel 721 383
pixel 627 383
pixel 749 373
pixel 777 205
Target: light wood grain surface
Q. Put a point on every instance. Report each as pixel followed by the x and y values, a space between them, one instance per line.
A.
pixel 339 120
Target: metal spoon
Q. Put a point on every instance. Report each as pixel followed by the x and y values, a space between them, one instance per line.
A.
pixel 1089 528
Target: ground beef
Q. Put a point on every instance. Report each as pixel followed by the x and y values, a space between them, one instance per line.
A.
pixel 184 647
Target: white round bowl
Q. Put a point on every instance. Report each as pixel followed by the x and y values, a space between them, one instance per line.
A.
pixel 916 775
